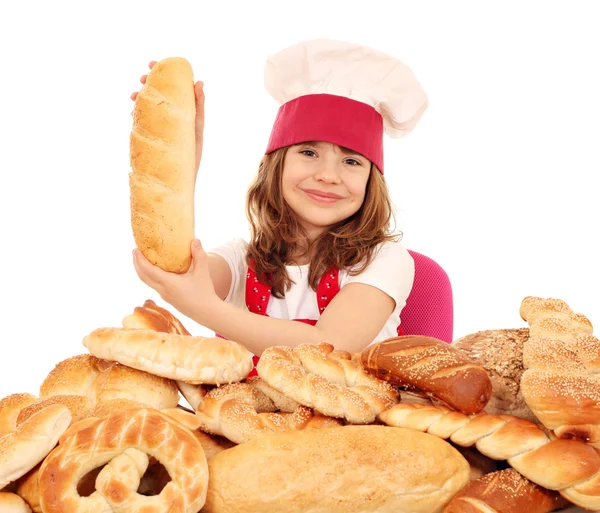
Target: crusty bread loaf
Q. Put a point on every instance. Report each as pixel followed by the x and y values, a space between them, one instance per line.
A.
pixel 163 160
pixel 179 357
pixel 430 365
pixel 348 469
pixel 500 353
pixel 505 491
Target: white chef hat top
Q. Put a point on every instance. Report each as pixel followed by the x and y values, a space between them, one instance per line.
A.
pixel 318 70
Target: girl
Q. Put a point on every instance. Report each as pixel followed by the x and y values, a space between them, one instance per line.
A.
pixel 320 251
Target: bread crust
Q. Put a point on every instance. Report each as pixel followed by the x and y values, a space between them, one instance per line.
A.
pixel 125 441
pixel 318 377
pixel 31 441
pixel 191 359
pixel 504 491
pixel 430 365
pixel 500 353
pixel 570 467
pixel 150 316
pixel 347 469
pixel 163 165
pixel 562 360
pixel 241 412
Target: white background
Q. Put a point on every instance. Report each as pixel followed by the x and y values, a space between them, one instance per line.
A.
pixel 495 183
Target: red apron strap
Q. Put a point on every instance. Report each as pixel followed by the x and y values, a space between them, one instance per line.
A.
pixel 257 293
pixel 328 287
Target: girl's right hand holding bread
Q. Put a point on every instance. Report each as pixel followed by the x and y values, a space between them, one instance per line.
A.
pixel 199 94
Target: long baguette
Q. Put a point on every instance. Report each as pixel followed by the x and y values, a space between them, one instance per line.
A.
pixel 163 157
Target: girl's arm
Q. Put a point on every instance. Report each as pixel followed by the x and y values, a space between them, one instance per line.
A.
pixel 220 274
pixel 351 321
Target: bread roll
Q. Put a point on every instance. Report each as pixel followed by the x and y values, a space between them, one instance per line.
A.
pixel 163 165
pixel 179 357
pixel 432 366
pixel 346 469
pixel 10 408
pixel 505 491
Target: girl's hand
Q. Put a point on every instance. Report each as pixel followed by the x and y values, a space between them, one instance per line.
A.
pixel 199 94
pixel 191 293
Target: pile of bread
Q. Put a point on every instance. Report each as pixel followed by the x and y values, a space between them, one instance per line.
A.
pixel 411 424
pixel 500 421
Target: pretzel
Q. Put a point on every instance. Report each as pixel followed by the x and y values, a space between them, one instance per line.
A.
pixel 31 441
pixel 150 316
pixel 562 361
pixel 146 431
pixel 327 381
pixel 241 412
pixel 570 467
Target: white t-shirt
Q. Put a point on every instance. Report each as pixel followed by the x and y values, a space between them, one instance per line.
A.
pixel 392 270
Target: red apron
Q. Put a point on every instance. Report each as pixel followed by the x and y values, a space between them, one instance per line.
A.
pixel 258 295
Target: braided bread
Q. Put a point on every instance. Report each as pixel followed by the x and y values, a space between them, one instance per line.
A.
pixel 562 361
pixel 327 381
pixel 241 412
pixel 568 466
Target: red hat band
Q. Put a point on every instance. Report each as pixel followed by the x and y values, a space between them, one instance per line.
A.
pixel 335 119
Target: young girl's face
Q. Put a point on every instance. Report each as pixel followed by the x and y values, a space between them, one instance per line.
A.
pixel 323 184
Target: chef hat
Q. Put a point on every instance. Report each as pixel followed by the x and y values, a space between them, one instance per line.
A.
pixel 341 93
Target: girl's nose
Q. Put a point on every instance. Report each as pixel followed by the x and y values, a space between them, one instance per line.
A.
pixel 327 172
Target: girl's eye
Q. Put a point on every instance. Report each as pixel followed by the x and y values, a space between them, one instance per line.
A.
pixel 308 153
pixel 353 162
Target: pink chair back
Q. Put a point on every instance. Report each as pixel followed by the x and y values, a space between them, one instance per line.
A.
pixel 429 309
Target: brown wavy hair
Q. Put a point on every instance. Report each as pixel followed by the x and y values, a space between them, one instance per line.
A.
pixel 276 236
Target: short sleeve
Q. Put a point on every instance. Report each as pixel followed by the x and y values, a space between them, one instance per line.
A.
pixel 392 271
pixel 234 253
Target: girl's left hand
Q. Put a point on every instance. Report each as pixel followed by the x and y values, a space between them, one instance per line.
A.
pixel 191 293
